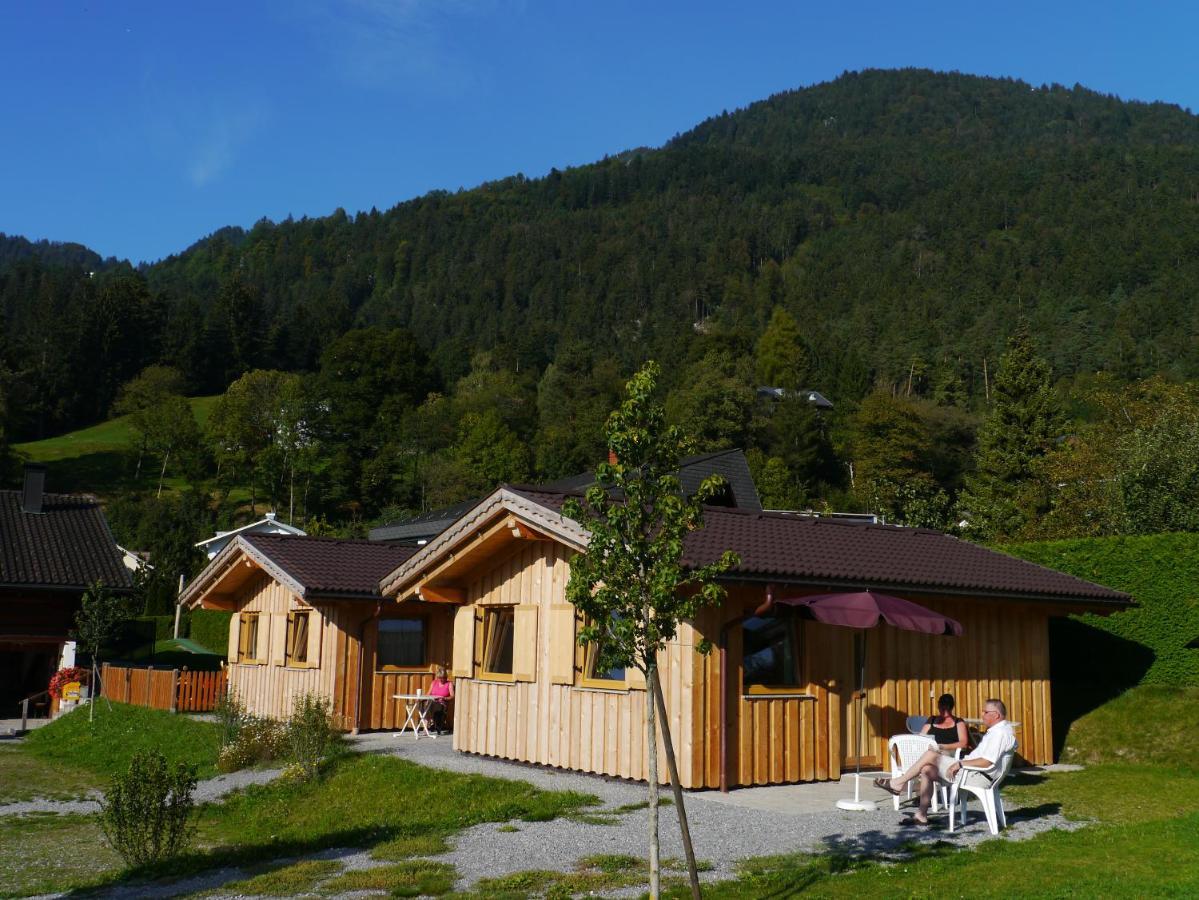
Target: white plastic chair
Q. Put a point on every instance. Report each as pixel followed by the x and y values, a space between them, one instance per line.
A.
pixel 904 750
pixel 984 784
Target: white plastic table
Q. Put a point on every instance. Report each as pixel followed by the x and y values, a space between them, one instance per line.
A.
pixel 417 708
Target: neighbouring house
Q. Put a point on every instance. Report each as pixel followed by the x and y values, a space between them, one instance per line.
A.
pixel 134 560
pixel 774 704
pixel 816 398
pixel 268 524
pixel 53 547
pixel 308 617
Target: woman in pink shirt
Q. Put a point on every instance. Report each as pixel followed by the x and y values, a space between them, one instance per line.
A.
pixel 442 692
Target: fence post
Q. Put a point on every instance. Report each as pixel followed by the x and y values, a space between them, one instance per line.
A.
pixel 24 715
pixel 174 690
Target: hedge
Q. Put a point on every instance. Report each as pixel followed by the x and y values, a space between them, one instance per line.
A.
pixel 1161 572
pixel 210 628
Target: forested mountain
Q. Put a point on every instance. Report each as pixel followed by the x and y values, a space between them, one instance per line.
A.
pixel 898 215
pixel 14 248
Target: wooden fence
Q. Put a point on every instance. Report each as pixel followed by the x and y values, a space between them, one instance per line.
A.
pixel 177 690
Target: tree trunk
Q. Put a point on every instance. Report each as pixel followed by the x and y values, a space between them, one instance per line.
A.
pixel 676 787
pixel 651 737
pixel 163 473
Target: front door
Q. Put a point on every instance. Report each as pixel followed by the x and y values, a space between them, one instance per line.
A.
pixel 861 711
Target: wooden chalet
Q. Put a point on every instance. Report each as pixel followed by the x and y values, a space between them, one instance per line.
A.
pixel 308 617
pixel 53 547
pixel 776 702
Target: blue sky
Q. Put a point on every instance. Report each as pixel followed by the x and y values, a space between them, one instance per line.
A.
pixel 137 128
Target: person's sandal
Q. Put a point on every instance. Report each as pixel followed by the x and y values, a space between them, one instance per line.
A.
pixel 885 784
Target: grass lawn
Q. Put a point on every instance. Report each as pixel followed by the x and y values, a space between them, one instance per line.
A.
pixel 106 745
pixel 24 776
pixel 1144 725
pixel 1156 859
pixel 396 807
pixel 42 853
pixel 369 800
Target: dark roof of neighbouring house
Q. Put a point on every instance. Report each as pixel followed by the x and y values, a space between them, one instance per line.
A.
pixel 426 525
pixel 794 548
pixel 66 545
pixel 330 566
pixel 731 464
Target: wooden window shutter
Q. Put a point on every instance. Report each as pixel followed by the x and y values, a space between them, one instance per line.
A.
pixel 278 639
pixel 524 643
pixel 562 643
pixel 464 642
pixel 316 624
pixel 263 646
pixel 234 636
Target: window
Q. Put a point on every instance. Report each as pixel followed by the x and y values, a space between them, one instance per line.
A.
pixel 771 653
pixel 247 638
pixel 601 678
pixel 296 653
pixel 401 644
pixel 498 631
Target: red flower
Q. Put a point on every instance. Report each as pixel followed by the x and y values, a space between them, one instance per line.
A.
pixel 63 677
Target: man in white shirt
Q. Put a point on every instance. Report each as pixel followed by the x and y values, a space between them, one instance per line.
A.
pixel 935 766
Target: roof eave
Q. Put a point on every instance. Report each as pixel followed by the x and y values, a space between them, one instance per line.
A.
pixel 555 524
pixel 219 564
pixel 1127 602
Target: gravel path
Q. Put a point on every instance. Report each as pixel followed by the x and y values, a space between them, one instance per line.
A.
pixel 207 790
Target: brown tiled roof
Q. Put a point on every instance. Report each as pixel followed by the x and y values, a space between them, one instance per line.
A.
pixel 331 566
pixel 67 545
pixel 806 549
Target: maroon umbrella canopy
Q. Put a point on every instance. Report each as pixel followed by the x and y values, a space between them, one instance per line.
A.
pixel 863 609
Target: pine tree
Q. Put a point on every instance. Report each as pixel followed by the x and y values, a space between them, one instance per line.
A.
pixel 1024 421
pixel 781 358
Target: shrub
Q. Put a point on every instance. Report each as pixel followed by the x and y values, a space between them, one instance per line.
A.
pixel 258 740
pixel 230 715
pixel 145 811
pixel 309 732
pixel 1162 572
pixel 210 628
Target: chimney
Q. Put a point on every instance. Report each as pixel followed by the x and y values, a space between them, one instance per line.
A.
pixel 35 488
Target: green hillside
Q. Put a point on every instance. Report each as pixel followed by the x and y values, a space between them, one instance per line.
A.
pixel 102 458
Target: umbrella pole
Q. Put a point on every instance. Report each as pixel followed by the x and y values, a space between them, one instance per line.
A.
pixel 857 803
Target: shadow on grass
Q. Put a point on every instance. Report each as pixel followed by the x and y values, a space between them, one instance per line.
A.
pixel 1087 668
pixel 231 860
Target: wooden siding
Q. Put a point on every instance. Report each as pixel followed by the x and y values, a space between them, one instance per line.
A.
pixel 1004 653
pixel 591 730
pixel 270 688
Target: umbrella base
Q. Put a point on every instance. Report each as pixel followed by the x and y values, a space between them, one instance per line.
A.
pixel 858 805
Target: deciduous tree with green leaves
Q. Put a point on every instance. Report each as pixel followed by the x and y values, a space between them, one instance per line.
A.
pixel 631 583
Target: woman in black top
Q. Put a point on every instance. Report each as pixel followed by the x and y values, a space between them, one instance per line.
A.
pixel 945 728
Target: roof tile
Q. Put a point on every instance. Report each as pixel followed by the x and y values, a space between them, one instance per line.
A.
pixel 67 545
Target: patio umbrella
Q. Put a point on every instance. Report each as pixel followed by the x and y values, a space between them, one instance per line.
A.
pixel 865 609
